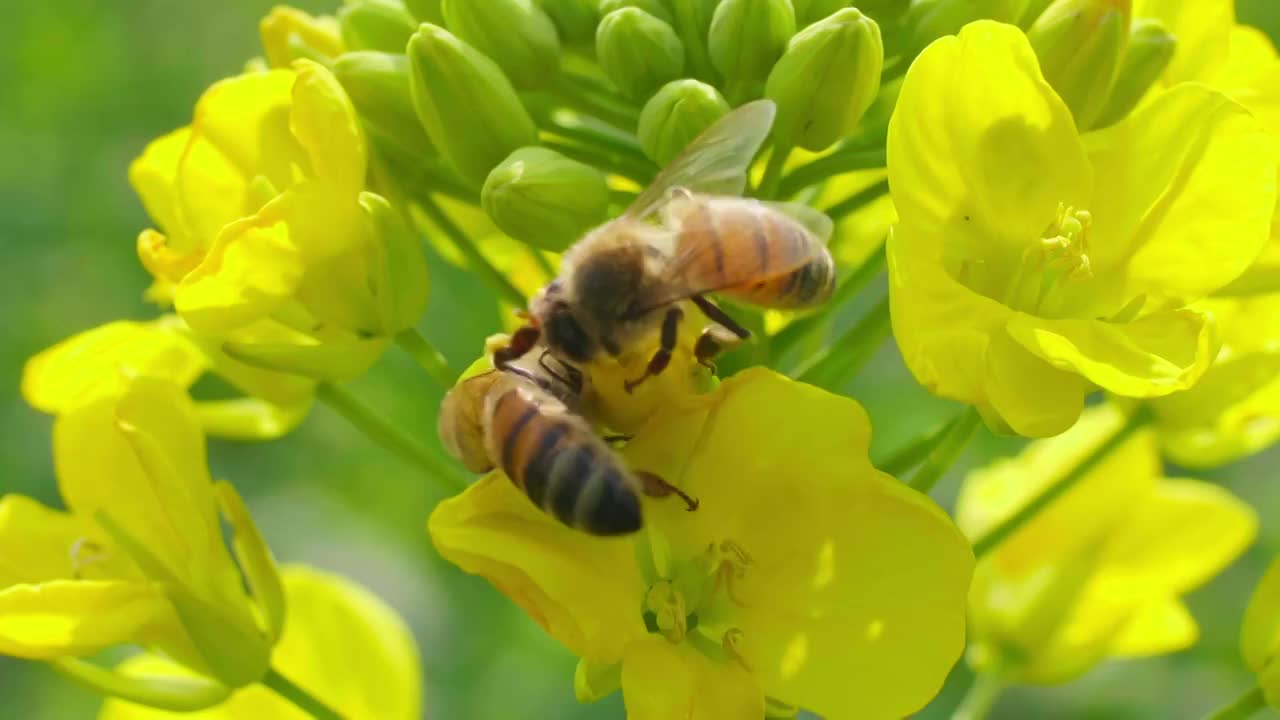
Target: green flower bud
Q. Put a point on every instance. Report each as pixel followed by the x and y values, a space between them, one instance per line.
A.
pixel 638 52
pixel 397 268
pixel 1035 8
pixel 677 114
pixel 1079 44
pixel 746 38
pixel 376 25
pixel 653 7
pixel 1150 50
pixel 826 80
pixel 515 34
pixel 427 11
pixel 378 84
pixel 543 198
pixel 465 103
pixel 575 20
pixel 928 20
pixel 692 21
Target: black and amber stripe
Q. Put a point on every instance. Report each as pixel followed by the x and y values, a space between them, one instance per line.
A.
pixel 561 465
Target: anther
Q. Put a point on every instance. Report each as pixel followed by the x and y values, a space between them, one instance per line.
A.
pixel 732 644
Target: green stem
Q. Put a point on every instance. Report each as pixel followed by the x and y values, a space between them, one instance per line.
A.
pixel 1242 707
pixel 427 356
pixel 637 172
pixel 844 357
pixel 791 335
pixel 1010 525
pixel 947 451
pixel 980 698
pixel 837 163
pixel 475 258
pixel 390 437
pixel 303 700
pixel 606 142
pixel 768 188
pixel 173 693
pixel 582 96
pixel 857 201
pixel 911 454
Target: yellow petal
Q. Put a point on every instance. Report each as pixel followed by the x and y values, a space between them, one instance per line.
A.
pixel 1202 28
pixel 1034 398
pixel 1159 627
pixel 1149 357
pixel 97 361
pixel 252 268
pixel 1184 198
pixel 285 27
pixel 335 361
pixel 76 617
pixel 829 620
pixel 661 681
pixel 38 544
pixel 341 644
pixel 981 150
pixel 154 175
pixel 584 591
pixel 250 418
pixel 240 133
pixel 325 124
pixel 1260 633
pixel 287 391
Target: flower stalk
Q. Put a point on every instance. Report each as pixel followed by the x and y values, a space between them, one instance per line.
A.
pixel 287 689
pixel 1245 706
pixel 948 450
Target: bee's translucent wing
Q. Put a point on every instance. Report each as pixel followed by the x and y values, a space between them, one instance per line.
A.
pixel 812 218
pixel 716 162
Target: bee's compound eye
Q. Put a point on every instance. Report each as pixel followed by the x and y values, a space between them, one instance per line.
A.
pixel 565 333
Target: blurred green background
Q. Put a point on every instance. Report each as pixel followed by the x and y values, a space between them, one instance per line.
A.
pixel 84 84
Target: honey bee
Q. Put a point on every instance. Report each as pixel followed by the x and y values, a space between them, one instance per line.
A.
pixel 528 419
pixel 687 235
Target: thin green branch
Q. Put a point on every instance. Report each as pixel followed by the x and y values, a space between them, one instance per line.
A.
pixel 857 201
pixel 947 451
pixel 303 700
pixel 605 142
pixel 799 329
pixel 768 188
pixel 474 257
pixel 837 163
pixel 389 437
pixel 911 454
pixel 428 357
pixel 1010 525
pixel 843 358
pixel 585 96
pixel 639 173
pixel 1242 707
pixel 981 697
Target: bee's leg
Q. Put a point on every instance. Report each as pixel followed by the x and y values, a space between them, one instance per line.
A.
pixel 720 317
pixel 522 341
pixel 655 487
pixel 714 340
pixel 658 363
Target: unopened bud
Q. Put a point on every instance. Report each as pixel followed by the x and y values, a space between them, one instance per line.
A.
pixel 397 267
pixel 289 34
pixel 1079 44
pixel 515 34
pixel 654 7
pixel 543 198
pixel 425 11
pixel 692 21
pixel 826 80
pixel 378 85
pixel 928 20
pixel 677 114
pixel 638 52
pixel 382 25
pixel 746 38
pixel 467 106
pixel 1150 50
pixel 575 20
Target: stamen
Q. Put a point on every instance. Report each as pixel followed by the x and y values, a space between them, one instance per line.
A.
pixel 85 552
pixel 732 644
pixel 668 608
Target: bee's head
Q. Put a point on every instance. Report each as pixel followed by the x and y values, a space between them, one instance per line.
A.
pixel 562 331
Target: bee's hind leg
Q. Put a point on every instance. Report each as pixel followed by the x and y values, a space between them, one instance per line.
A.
pixel 714 340
pixel 655 487
pixel 660 359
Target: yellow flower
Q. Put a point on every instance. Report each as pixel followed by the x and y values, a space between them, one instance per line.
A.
pixel 804 576
pixel 1098 573
pixel 290 34
pixel 342 645
pixel 262 203
pixel 139 556
pixel 1234 410
pixel 1260 634
pixel 102 359
pixel 1032 263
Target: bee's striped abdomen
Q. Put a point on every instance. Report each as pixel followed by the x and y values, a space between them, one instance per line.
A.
pixel 809 285
pixel 559 462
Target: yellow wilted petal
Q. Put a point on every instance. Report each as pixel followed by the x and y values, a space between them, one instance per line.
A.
pixel 252 268
pixel 829 621
pixel 98 361
pixel 1159 627
pixel 1184 199
pixel 77 617
pixel 661 681
pixel 285 28
pixel 1149 357
pixel 154 175
pixel 325 124
pixel 343 645
pixel 975 132
pixel 584 591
